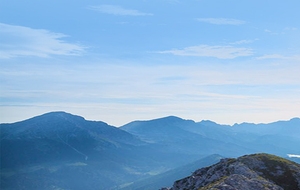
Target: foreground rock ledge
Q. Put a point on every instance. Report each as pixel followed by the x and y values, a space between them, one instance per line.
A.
pixel 251 172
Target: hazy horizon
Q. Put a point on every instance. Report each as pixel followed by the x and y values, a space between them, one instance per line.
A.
pixel 119 61
pixel 149 119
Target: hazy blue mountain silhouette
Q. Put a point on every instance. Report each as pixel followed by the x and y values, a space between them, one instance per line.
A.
pixel 184 136
pixel 278 138
pixel 60 135
pixel 275 138
pixel 86 154
pixel 289 128
pixel 41 151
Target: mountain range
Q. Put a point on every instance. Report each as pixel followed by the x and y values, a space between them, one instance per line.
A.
pixel 59 150
pixel 207 137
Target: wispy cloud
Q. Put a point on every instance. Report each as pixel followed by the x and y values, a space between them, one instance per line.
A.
pixel 221 52
pixel 24 41
pixel 242 42
pixel 272 56
pixel 279 56
pixel 222 21
pixel 118 10
pixel 106 90
pixel 291 28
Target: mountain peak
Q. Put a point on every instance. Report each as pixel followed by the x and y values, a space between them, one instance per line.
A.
pixel 161 124
pixel 256 171
pixel 295 119
pixel 59 114
pixel 169 119
pixel 51 124
pixel 208 123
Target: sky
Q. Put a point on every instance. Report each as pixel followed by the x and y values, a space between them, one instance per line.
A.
pixel 117 61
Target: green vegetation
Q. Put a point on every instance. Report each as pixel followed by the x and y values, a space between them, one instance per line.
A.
pixel 278 170
pixel 212 185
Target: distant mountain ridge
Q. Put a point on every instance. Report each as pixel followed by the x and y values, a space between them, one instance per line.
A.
pixel 95 155
pixel 226 140
pixel 178 135
pixel 68 132
pixel 61 144
pixel 62 121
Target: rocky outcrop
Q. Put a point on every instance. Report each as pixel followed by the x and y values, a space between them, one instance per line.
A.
pixel 251 172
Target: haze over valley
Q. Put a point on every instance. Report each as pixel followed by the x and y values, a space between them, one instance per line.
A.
pixel 61 150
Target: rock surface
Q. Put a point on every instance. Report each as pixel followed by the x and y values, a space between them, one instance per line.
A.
pixel 251 172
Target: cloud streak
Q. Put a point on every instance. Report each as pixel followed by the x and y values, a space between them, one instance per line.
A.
pixel 221 21
pixel 293 156
pixel 220 52
pixel 243 42
pixel 122 89
pixel 279 57
pixel 118 10
pixel 24 41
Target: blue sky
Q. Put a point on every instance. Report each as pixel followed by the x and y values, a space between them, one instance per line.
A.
pixel 118 61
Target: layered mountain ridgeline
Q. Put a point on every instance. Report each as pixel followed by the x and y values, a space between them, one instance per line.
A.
pixel 206 137
pixel 59 135
pixel 65 151
pixel 59 150
pixel 251 172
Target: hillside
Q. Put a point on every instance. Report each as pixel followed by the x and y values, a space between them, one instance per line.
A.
pixel 167 178
pixel 41 151
pixel 59 135
pixel 251 172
